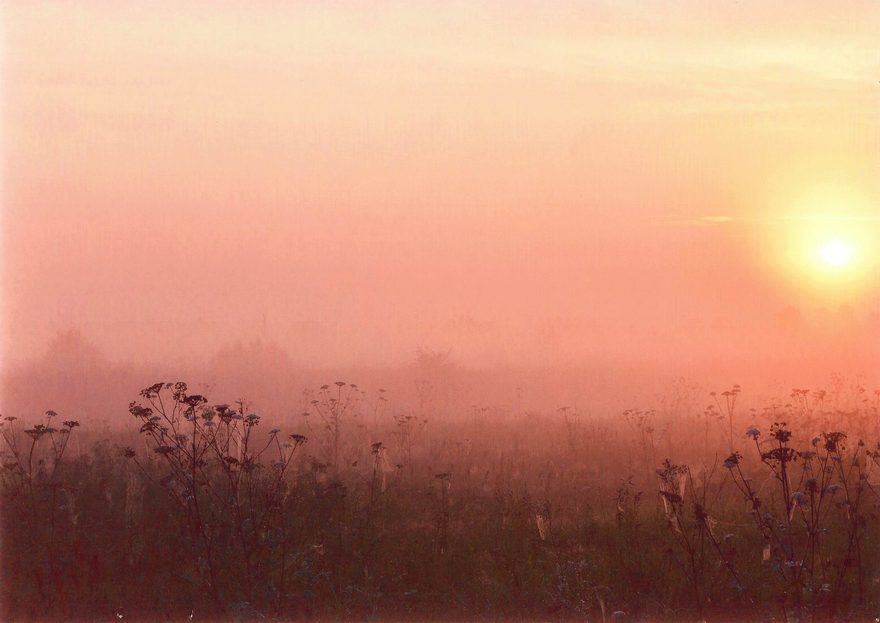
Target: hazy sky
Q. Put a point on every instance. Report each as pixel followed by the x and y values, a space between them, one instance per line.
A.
pixel 508 179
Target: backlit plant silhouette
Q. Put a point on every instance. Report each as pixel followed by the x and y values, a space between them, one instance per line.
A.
pixel 208 511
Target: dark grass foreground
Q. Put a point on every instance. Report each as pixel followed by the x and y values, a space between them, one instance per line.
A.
pixel 359 514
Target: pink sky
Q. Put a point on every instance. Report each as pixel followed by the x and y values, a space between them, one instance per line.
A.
pixel 513 180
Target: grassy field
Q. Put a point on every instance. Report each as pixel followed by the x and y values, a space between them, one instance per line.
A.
pixel 354 511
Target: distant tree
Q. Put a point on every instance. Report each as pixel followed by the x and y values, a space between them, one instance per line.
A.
pixel 70 350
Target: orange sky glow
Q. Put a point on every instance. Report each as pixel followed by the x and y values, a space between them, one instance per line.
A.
pixel 512 181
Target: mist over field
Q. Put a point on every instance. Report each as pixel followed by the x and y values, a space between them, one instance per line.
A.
pixel 74 376
pixel 496 310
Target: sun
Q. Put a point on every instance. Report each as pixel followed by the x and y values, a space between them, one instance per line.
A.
pixel 823 242
pixel 836 253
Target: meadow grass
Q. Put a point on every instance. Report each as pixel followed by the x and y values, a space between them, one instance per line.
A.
pixel 353 511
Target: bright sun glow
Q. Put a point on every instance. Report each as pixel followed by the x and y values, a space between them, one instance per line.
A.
pixel 822 240
pixel 836 253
